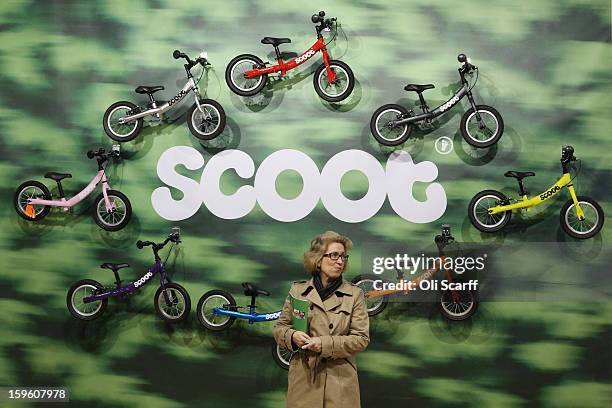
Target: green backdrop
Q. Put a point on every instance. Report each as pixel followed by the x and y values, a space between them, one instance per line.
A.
pixel 545 65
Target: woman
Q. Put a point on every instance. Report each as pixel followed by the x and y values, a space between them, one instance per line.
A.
pixel 323 373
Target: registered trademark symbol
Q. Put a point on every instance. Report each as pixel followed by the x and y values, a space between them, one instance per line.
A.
pixel 444 145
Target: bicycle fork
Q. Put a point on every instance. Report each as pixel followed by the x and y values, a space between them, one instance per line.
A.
pixel 579 212
pixel 481 124
pixel 331 75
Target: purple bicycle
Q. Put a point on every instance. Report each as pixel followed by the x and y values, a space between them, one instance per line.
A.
pixel 87 298
pixel 112 209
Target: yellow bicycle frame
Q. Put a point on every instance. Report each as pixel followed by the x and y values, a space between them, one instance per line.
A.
pixel 526 202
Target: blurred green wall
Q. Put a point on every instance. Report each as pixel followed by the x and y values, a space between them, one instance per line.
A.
pixel 545 65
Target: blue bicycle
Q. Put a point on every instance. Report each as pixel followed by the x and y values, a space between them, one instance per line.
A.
pixel 217 311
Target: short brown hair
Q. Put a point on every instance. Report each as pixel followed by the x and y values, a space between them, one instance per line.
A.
pixel 319 245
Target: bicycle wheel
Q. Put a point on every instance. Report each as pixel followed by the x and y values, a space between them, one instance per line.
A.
pixel 282 357
pixel 458 304
pixel 342 86
pixel 485 133
pixel 80 309
pixel 208 123
pixel 27 190
pixel 366 283
pixel 479 214
pixel 208 302
pixel 589 226
pixel 385 133
pixel 234 75
pixel 118 131
pixel 114 220
pixel 180 303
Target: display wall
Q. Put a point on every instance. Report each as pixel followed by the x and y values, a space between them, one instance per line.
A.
pixel 545 65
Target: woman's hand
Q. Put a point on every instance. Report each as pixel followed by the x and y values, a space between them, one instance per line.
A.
pixel 300 338
pixel 314 344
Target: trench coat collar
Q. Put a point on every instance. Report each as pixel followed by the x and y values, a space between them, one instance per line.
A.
pixel 333 301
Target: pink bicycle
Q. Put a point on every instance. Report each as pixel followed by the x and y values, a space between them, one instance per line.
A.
pixel 112 209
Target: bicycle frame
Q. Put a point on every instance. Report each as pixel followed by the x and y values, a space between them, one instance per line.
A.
pixel 188 87
pixel 252 317
pixel 120 290
pixel 564 181
pixel 67 204
pixel 283 67
pixel 428 115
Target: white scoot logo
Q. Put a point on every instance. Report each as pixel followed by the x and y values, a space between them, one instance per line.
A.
pixel 304 56
pixel 142 280
pixel 273 316
pixel 396 181
pixel 449 104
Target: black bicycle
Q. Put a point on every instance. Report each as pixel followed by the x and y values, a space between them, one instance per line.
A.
pixel 481 125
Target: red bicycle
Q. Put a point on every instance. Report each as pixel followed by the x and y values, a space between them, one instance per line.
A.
pixel 247 74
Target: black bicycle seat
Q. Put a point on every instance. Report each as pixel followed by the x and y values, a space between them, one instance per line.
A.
pixel 275 41
pixel 113 267
pixel 148 89
pixel 57 176
pixel 252 290
pixel 418 88
pixel 519 175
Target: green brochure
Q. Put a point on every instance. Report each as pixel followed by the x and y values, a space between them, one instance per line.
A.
pixel 299 314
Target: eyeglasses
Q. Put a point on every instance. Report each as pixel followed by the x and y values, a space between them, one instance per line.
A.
pixel 335 255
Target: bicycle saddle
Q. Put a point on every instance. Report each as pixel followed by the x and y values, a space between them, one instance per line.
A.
pixel 519 175
pixel 57 176
pixel 418 88
pixel 148 89
pixel 113 267
pixel 275 41
pixel 252 290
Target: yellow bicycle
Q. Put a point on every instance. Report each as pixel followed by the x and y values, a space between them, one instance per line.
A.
pixel 581 216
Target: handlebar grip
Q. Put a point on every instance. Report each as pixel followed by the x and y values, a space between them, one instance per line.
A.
pixel 462 58
pixel 316 18
pixel 176 54
pixel 139 244
pixel 90 154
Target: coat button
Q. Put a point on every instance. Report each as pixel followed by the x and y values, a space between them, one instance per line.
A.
pixel 331 326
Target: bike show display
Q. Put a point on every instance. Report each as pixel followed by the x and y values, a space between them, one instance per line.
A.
pixel 87 299
pixel 454 304
pixel 481 125
pixel 217 311
pixel 581 217
pixel 123 120
pixel 246 75
pixel 333 80
pixel 112 209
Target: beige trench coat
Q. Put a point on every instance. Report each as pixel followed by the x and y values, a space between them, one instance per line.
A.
pixel 328 379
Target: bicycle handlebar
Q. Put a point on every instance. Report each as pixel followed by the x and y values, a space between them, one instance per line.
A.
pixel 173 237
pixel 445 238
pixel 567 154
pixel 202 60
pixel 324 22
pixel 467 66
pixel 318 18
pixel 102 154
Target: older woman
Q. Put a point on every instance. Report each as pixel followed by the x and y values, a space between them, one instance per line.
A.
pixel 323 373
